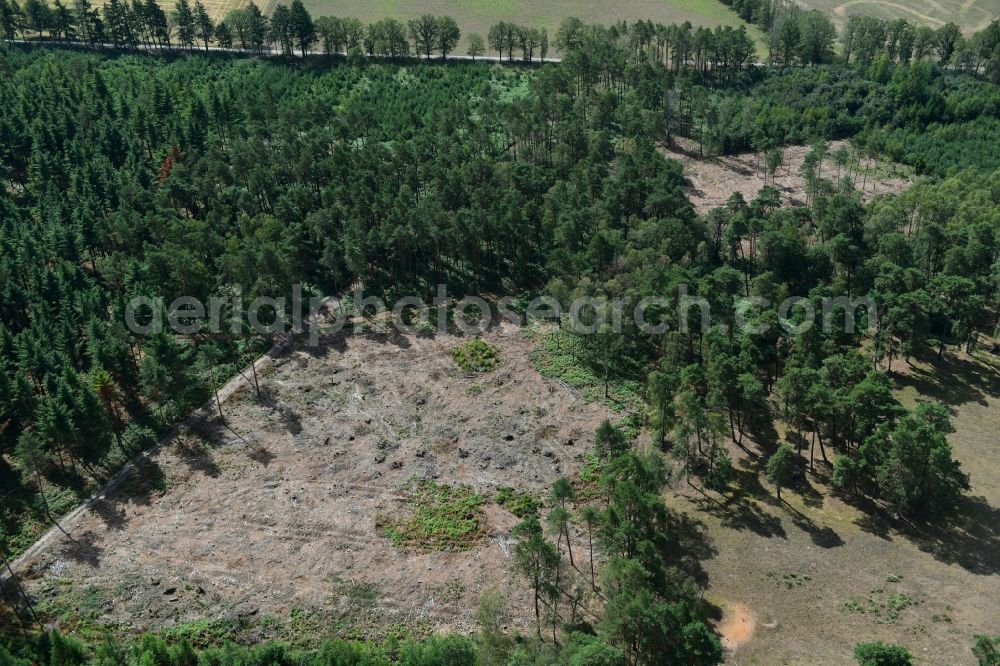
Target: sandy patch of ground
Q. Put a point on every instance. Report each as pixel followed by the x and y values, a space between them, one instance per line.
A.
pixel 273 513
pixel 737 626
pixel 712 180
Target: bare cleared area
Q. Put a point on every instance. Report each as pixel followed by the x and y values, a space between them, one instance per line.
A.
pixel 712 180
pixel 269 518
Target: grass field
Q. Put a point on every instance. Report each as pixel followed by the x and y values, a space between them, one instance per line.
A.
pixel 479 15
pixel 217 9
pixel 970 15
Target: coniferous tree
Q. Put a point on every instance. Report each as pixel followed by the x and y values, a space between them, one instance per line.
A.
pixel 354 33
pixel 84 21
pixel 238 23
pixel 780 467
pixel 282 31
pixel 116 21
pixel 38 16
pixel 590 517
pixel 62 21
pixel 223 35
pixel 185 21
pixel 10 13
pixel 204 26
pixel 331 33
pixel 537 560
pixel 257 28
pixel 34 460
pixel 496 39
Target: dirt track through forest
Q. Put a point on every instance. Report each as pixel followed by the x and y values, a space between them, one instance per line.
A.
pixel 70 521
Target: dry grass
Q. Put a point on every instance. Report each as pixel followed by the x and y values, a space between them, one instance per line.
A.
pixel 217 9
pixel 970 15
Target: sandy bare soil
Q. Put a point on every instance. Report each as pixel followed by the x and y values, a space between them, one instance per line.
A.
pixel 712 180
pixel 273 513
pixel 737 626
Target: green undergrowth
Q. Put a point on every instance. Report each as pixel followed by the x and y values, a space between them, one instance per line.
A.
pixel 436 516
pixel 476 355
pixel 202 632
pixel 518 503
pixel 788 579
pixel 564 357
pixel 884 606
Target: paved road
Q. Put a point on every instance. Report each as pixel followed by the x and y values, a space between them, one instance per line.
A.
pixel 270 52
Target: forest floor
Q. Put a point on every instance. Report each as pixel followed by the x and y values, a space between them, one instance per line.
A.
pixel 269 523
pixel 812 576
pixel 712 180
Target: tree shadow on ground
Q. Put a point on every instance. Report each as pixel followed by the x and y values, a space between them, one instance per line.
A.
pixel 112 514
pixel 12 619
pixel 970 538
pixel 742 509
pixel 739 511
pixel 690 545
pixel 760 432
pixel 83 549
pixel 875 525
pixel 256 451
pixel 325 342
pixel 804 488
pixel 68 477
pixel 197 455
pixel 824 537
pixel 392 336
pixel 953 381
pixel 212 431
pixel 873 520
pixel 260 455
pixel 144 482
pixel 289 417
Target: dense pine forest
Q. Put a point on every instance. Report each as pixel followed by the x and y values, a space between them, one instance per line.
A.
pixel 210 174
